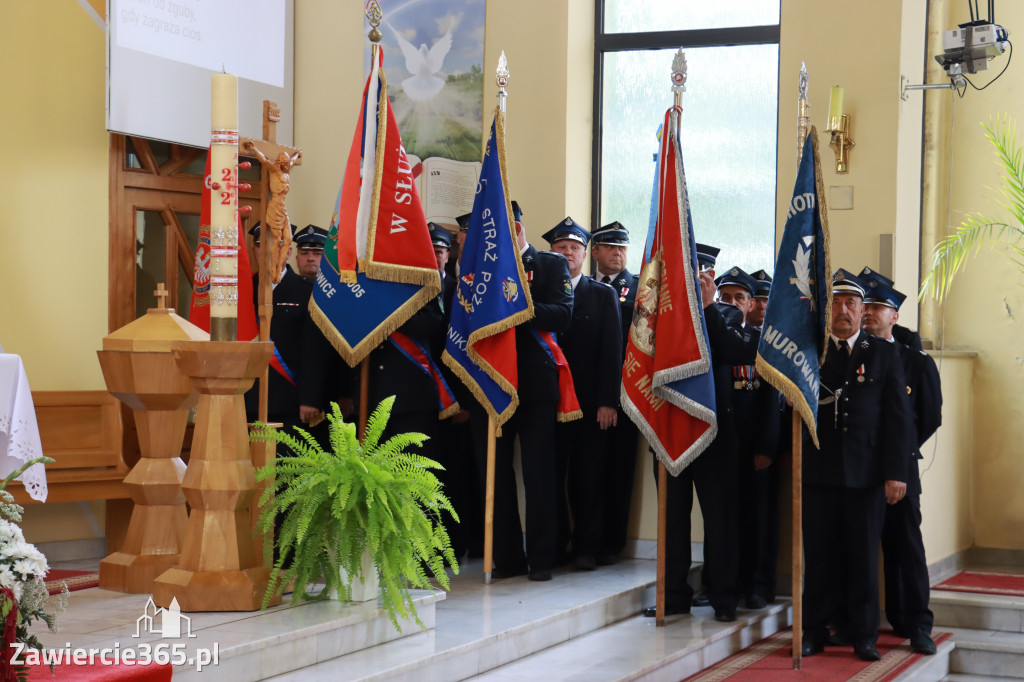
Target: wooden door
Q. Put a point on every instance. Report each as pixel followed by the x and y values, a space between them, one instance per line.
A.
pixel 155 193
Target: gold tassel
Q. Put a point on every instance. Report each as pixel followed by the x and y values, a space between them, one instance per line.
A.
pixel 451 411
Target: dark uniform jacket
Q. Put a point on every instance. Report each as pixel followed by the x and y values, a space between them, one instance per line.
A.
pixel 625 286
pixel 591 345
pixel 393 373
pixel 862 425
pixel 547 274
pixel 730 345
pixel 756 404
pixel 925 393
pixel 291 303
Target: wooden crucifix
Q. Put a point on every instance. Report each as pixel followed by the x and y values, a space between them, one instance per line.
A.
pixel 271 150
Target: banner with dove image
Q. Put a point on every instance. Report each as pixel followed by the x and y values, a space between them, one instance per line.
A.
pixel 437 77
pixel 799 313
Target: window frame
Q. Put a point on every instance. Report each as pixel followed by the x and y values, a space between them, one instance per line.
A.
pixel 656 40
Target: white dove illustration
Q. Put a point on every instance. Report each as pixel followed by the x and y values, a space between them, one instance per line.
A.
pixel 424 65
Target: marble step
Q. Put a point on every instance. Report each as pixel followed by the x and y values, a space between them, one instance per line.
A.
pixel 250 645
pixel 957 677
pixel 977 611
pixel 636 649
pixel 987 652
pixel 930 668
pixel 481 627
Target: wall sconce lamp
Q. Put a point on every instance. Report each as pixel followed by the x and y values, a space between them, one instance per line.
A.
pixel 839 126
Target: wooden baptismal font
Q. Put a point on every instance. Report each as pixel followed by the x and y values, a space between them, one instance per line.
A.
pixel 141 372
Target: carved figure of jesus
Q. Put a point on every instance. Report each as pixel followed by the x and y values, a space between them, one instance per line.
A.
pixel 277 211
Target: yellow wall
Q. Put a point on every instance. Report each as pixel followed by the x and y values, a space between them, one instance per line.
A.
pixel 53 264
pixel 986 307
pixel 949 458
pixel 870 77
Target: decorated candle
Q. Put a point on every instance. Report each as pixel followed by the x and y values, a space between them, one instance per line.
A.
pixel 224 208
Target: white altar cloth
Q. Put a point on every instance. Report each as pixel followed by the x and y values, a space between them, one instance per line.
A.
pixel 19 433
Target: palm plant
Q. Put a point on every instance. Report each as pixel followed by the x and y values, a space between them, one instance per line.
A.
pixel 977 229
pixel 372 496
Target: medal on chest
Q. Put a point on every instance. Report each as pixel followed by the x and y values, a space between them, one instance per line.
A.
pixel 860 374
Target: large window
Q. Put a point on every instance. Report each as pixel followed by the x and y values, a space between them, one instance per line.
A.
pixel 729 123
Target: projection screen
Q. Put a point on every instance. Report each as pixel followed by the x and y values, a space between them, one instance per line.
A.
pixel 160 54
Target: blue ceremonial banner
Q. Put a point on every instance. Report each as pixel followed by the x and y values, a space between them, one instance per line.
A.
pixel 491 297
pixel 798 317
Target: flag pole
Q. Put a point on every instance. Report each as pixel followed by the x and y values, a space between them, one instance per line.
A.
pixel 501 77
pixel 374 16
pixel 659 598
pixel 492 444
pixel 803 126
pixel 678 88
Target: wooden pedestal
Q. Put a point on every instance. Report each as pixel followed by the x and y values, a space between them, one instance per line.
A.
pixel 219 569
pixel 160 397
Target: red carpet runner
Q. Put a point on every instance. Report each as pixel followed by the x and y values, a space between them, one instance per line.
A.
pixel 769 660
pixel 76 580
pixel 984 582
pixel 102 673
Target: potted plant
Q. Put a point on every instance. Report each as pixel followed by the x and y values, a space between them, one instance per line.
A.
pixel 370 497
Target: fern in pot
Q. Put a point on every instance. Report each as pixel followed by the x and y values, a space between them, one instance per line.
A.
pixel 377 498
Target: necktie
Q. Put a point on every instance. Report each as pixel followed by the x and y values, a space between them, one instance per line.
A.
pixel 845 347
pixel 606 279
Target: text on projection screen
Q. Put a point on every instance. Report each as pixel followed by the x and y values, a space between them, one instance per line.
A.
pixel 210 34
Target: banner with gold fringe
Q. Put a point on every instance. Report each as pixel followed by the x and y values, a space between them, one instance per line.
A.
pixel 799 313
pixel 378 267
pixel 491 298
pixel 668 388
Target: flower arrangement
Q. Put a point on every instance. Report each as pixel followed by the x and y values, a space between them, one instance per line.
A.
pixel 24 598
pixel 373 496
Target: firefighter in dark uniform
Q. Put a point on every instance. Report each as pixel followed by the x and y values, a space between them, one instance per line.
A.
pixel 862 428
pixel 309 244
pixel 547 275
pixel 759 303
pixel 906 570
pixel 291 301
pixel 714 473
pixel 455 450
pixel 756 411
pixel 609 245
pixel 593 349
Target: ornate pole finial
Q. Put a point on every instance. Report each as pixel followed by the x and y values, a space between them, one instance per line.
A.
pixel 803 115
pixel 679 76
pixel 501 77
pixel 374 16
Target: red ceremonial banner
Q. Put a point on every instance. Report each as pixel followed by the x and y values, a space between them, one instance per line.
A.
pixel 667 385
pixel 381 224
